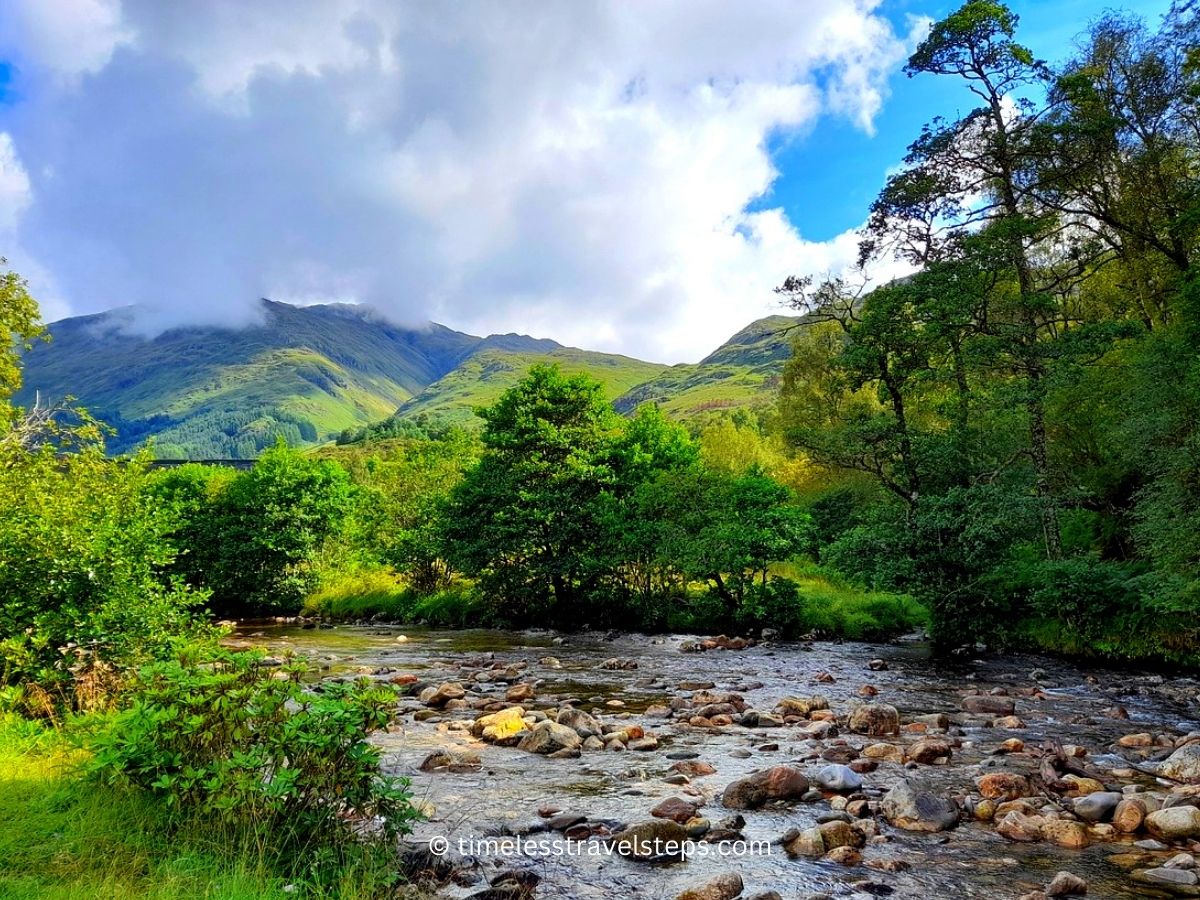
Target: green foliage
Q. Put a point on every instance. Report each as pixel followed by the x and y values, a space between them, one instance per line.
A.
pixel 230 739
pixel 20 324
pixel 81 548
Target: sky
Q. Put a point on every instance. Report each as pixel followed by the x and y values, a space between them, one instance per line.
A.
pixel 633 177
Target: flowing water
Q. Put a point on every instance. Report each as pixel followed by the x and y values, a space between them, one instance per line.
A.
pixel 503 797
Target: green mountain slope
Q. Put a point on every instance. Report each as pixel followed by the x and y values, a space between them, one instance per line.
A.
pixel 486 374
pixel 304 372
pixel 743 373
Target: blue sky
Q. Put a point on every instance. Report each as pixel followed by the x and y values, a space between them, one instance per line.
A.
pixel 830 175
pixel 619 175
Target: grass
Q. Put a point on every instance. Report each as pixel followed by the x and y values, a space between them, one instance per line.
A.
pixel 379 592
pixel 831 606
pixel 65 837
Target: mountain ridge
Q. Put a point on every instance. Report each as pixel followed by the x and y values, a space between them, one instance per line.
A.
pixel 309 373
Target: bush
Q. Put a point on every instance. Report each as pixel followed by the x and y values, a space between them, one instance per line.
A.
pixel 233 740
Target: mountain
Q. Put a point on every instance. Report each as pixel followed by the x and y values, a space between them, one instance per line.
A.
pixel 742 373
pixel 309 373
pixel 304 372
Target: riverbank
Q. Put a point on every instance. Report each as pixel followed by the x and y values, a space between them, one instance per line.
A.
pixel 698 729
pixel 65 837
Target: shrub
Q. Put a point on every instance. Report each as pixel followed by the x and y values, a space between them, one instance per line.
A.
pixel 236 741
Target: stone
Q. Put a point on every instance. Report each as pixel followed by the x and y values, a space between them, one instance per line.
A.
pixel 582 723
pixel 658 839
pixel 809 842
pixel 1136 741
pixel 1175 823
pixel 519 693
pixel 1097 807
pixel 451 759
pixel 875 719
pixel 928 750
pixel 1066 884
pixel 723 887
pixel 550 737
pixel 988 704
pixel 1066 833
pixel 693 768
pixel 1021 828
pixel 676 809
pixel 442 694
pixel 1169 878
pixel 877 665
pixel 845 856
pixel 839 779
pixel 1129 814
pixel 915 808
pixel 1183 765
pixel 801 706
pixel 1003 786
pixel 644 744
pixel 776 783
pixel 886 752
pixel 839 834
pixel 501 727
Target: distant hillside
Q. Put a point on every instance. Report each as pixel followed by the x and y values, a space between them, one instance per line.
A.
pixel 743 373
pixel 485 375
pixel 311 373
pixel 305 372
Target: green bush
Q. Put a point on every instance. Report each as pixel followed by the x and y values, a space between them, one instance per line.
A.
pixel 235 741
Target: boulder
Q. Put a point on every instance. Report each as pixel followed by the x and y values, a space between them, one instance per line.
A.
pixel 989 704
pixel 776 783
pixel 519 693
pixel 1097 807
pixel 1174 824
pixel 1016 826
pixel 582 723
pixel 839 779
pixel 1174 880
pixel 801 706
pixel 442 694
pixel 929 750
pixel 676 809
pixel 1066 884
pixel 1003 786
pixel 451 759
pixel 1129 815
pixel 658 839
pixel 723 887
pixel 1183 765
pixel 875 719
pixel 1066 833
pixel 500 727
pixel 549 737
pixel 914 808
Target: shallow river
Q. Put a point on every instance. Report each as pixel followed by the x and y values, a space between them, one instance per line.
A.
pixel 972 861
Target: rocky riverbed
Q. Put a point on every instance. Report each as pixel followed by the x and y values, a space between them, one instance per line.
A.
pixel 779 769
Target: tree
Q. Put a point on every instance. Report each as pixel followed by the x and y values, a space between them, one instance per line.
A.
pixel 21 325
pixel 524 520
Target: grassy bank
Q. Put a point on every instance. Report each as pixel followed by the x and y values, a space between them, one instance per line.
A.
pixel 823 604
pixel 64 837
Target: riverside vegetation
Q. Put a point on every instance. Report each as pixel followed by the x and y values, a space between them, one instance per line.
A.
pixel 1001 448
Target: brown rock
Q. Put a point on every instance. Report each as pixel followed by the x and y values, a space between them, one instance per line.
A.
pixel 1003 786
pixel 927 750
pixel 723 887
pixel 875 719
pixel 1129 815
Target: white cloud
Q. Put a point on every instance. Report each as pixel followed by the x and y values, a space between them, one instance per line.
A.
pixel 577 170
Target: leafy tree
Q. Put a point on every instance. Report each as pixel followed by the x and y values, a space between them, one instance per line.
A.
pixel 21 325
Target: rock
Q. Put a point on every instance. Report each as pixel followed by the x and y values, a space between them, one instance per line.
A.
pixel 501 727
pixel 442 694
pixel 887 752
pixel 451 759
pixel 1175 823
pixel 988 704
pixel 549 737
pixel 1081 785
pixel 1097 807
pixel 845 856
pixel 928 750
pixel 1181 861
pixel 723 887
pixel 914 808
pixel 1064 884
pixel 658 839
pixel 1129 815
pixel 1066 833
pixel 804 843
pixel 693 768
pixel 839 779
pixel 676 809
pixel 1183 765
pixel 550 662
pixel 801 706
pixel 582 723
pixel 644 744
pixel 1169 878
pixel 933 720
pixel 1019 827
pixel 1135 741
pixel 658 711
pixel 877 665
pixel 875 719
pixel 519 693
pixel 776 783
pixel 1003 786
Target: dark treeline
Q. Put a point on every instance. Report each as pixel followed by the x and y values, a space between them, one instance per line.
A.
pixel 1024 411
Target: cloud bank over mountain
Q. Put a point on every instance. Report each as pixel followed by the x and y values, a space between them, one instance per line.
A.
pixel 578 170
